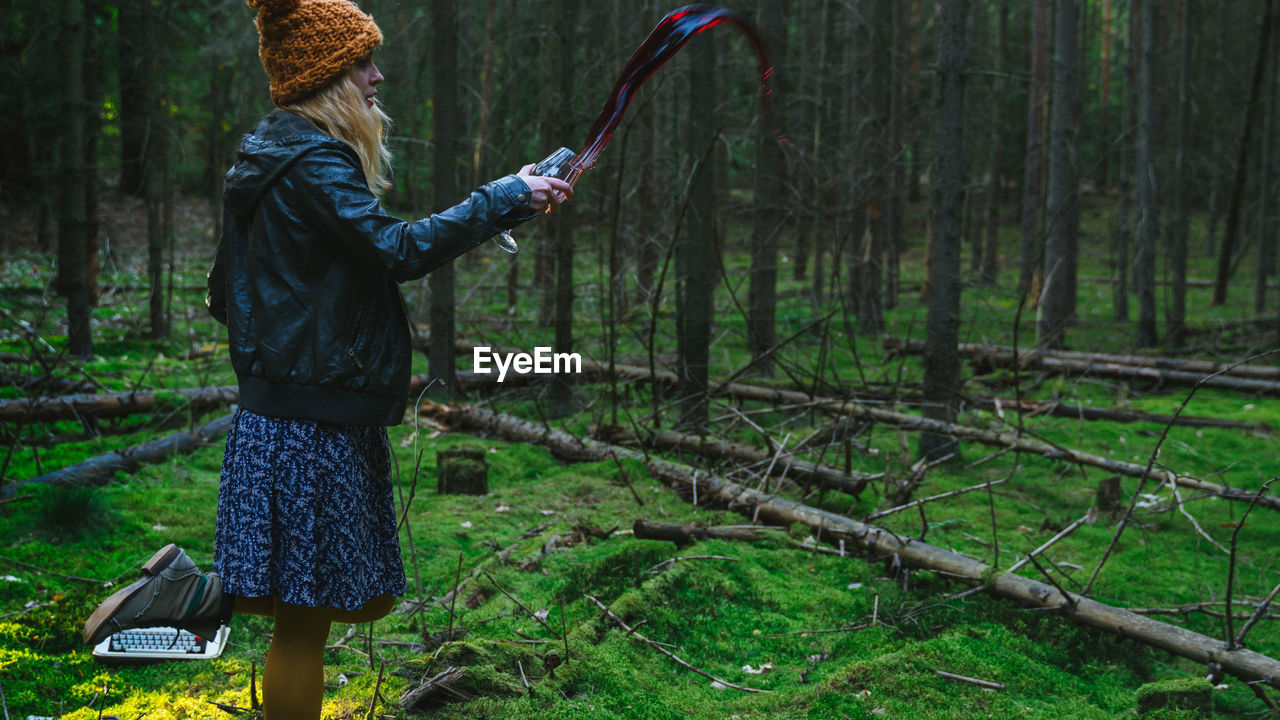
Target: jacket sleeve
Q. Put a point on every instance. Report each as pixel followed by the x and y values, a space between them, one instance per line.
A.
pixel 337 201
pixel 216 299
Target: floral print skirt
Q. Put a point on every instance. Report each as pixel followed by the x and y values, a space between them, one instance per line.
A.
pixel 306 514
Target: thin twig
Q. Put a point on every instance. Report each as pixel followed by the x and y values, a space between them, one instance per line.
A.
pixel 668 653
pixel 654 570
pixel 1061 534
pixel 513 599
pixel 931 498
pixel 987 684
pixel 1231 563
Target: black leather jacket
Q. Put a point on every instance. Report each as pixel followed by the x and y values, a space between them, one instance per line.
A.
pixel 306 274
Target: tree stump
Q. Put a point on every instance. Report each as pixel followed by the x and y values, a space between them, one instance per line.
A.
pixel 1107 499
pixel 1179 694
pixel 462 471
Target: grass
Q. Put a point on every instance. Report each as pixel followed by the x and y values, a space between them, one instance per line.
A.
pixel 847 637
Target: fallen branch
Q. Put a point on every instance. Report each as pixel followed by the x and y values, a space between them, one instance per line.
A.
pixel 914 503
pixel 852 483
pixel 688 534
pixel 657 646
pixel 1088 412
pixel 98 470
pixel 1002 355
pixel 987 684
pixel 831 527
pixel 102 405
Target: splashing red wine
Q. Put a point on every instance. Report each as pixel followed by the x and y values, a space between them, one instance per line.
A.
pixel 664 41
pixel 671 33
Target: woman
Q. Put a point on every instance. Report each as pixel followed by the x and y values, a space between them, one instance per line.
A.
pixel 305 278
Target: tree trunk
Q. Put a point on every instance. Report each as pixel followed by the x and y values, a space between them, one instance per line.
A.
pixel 876 109
pixel 1148 204
pixel 1034 168
pixel 73 213
pixel 447 122
pixel 134 41
pixel 560 391
pixel 1104 107
pixel 1267 208
pixel 990 266
pixel 1176 313
pixel 1227 250
pixel 769 209
pixel 697 242
pixel 1057 310
pixel 941 363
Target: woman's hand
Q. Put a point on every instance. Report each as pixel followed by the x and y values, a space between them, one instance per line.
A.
pixel 545 193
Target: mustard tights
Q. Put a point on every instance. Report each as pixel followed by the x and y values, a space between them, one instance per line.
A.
pixel 293 681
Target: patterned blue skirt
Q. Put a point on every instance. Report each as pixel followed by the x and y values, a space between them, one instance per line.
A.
pixel 306 514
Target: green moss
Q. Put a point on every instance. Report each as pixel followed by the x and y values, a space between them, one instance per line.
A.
pixel 1176 694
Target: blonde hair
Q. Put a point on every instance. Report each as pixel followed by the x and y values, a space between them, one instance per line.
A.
pixel 340 110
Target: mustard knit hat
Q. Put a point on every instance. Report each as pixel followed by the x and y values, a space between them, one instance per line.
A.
pixel 306 44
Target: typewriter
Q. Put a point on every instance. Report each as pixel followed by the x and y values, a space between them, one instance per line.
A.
pixel 139 646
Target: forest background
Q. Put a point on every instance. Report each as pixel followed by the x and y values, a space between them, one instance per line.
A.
pixel 1077 174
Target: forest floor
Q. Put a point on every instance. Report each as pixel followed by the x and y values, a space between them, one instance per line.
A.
pixel 824 635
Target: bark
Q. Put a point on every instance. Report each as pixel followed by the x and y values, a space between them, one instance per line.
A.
pixel 769 207
pixel 1088 412
pixel 1057 308
pixel 941 364
pixel 683 535
pixel 1267 206
pixel 1176 312
pixel 100 470
pixel 1227 250
pixel 1148 205
pixel 1104 108
pixel 696 280
pixel 71 407
pixel 560 391
pixel 990 265
pixel 448 133
pixel 999 354
pixel 834 528
pixel 1034 164
pixel 867 281
pixel 73 211
pixel 1122 231
pixel 852 482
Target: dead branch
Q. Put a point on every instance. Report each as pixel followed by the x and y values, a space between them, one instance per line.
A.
pixel 72 407
pixel 852 483
pixel 881 513
pixel 100 469
pixel 688 534
pixel 657 646
pixel 986 684
pixel 1087 412
pixel 1002 356
pixel 1242 663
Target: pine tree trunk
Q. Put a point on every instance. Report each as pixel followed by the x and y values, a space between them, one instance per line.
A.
pixel 941 362
pixel 1176 314
pixel 1057 311
pixel 767 220
pixel 73 214
pixel 1031 192
pixel 447 130
pixel 1267 183
pixel 1148 204
pixel 697 242
pixel 561 392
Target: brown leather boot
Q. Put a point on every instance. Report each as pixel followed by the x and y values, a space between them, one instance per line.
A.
pixel 172 591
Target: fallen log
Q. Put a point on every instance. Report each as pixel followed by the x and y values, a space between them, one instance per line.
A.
pixel 1004 439
pixel 1027 358
pixel 99 470
pixel 831 527
pixel 1087 412
pixel 852 482
pixel 70 407
pixel 687 534
pixel 1149 367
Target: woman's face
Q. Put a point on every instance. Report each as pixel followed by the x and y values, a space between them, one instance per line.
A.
pixel 367 78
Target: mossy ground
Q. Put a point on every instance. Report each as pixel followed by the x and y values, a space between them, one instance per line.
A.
pixel 841 637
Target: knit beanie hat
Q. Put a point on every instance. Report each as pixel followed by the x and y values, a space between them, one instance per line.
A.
pixel 306 44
